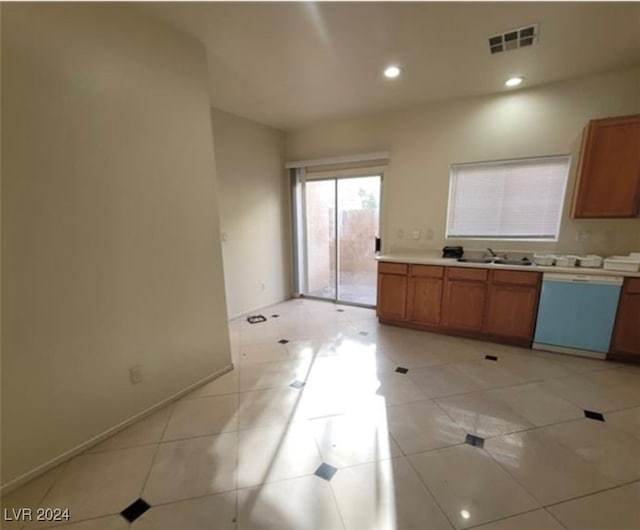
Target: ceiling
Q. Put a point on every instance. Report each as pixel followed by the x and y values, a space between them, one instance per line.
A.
pixel 291 64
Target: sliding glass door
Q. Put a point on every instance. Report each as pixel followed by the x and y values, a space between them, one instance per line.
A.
pixel 341 222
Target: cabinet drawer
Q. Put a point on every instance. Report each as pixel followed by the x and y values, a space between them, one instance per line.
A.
pixel 515 277
pixel 427 271
pixel 462 273
pixel 632 285
pixel 384 267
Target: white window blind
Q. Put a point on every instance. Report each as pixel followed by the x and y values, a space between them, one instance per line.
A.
pixel 511 199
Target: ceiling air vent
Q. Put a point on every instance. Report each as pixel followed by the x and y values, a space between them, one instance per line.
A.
pixel 514 39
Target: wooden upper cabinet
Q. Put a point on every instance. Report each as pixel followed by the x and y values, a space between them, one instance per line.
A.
pixel 626 335
pixel 392 291
pixel 608 181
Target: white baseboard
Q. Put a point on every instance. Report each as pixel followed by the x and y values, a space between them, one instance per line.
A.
pixel 67 455
pixel 257 309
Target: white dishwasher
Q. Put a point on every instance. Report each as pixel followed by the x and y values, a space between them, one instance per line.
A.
pixel 576 313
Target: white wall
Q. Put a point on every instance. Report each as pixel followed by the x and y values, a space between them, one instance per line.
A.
pixel 110 247
pixel 424 141
pixel 254 212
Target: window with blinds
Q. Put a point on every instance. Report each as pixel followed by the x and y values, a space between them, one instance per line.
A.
pixel 509 199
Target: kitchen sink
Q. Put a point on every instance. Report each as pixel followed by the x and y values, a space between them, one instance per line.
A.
pixel 478 260
pixel 497 261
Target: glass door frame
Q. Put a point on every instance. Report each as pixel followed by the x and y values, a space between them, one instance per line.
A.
pixel 299 232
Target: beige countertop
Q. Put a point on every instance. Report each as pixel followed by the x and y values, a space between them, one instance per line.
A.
pixel 418 259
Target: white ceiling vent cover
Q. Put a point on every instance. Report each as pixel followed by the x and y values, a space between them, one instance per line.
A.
pixel 514 39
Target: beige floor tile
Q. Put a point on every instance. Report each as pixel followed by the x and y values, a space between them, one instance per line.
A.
pixel 310 348
pixel 536 520
pixel 300 332
pixel 391 342
pixel 203 416
pixel 421 426
pixel 416 357
pixel 578 365
pixel 331 399
pixel 490 374
pixel 482 414
pixel 113 522
pixel 444 380
pixel 225 384
pixel 190 468
pixel 547 469
pixel 97 484
pixel 458 350
pixel 354 439
pixel 145 431
pixel 397 388
pixel 633 489
pixel 533 368
pixel 359 369
pixel 627 420
pixel 363 415
pixel 276 453
pixel 614 453
pixel 28 496
pixel 386 495
pixel 608 510
pixel 320 401
pixel 460 353
pixel 259 376
pixel 470 487
pixel 263 351
pixel 261 333
pixel 213 512
pixel 277 406
pixel 624 381
pixel 591 395
pixel 354 345
pixel 535 404
pixel 305 503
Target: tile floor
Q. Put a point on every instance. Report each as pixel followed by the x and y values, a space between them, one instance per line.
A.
pixel 244 450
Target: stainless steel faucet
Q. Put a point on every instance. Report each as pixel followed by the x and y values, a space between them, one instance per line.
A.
pixel 493 254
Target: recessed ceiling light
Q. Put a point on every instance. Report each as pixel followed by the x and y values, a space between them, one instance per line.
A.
pixel 392 71
pixel 514 81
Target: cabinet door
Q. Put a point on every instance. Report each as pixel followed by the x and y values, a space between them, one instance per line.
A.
pixel 511 311
pixel 425 298
pixel 463 304
pixel 609 172
pixel 392 296
pixel 626 336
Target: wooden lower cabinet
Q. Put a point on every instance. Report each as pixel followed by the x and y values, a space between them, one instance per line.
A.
pixel 463 304
pixel 392 291
pixel 625 344
pixel 499 305
pixel 463 299
pixel 511 311
pixel 425 299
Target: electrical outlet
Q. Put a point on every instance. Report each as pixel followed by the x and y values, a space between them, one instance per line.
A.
pixel 416 234
pixel 583 235
pixel 135 374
